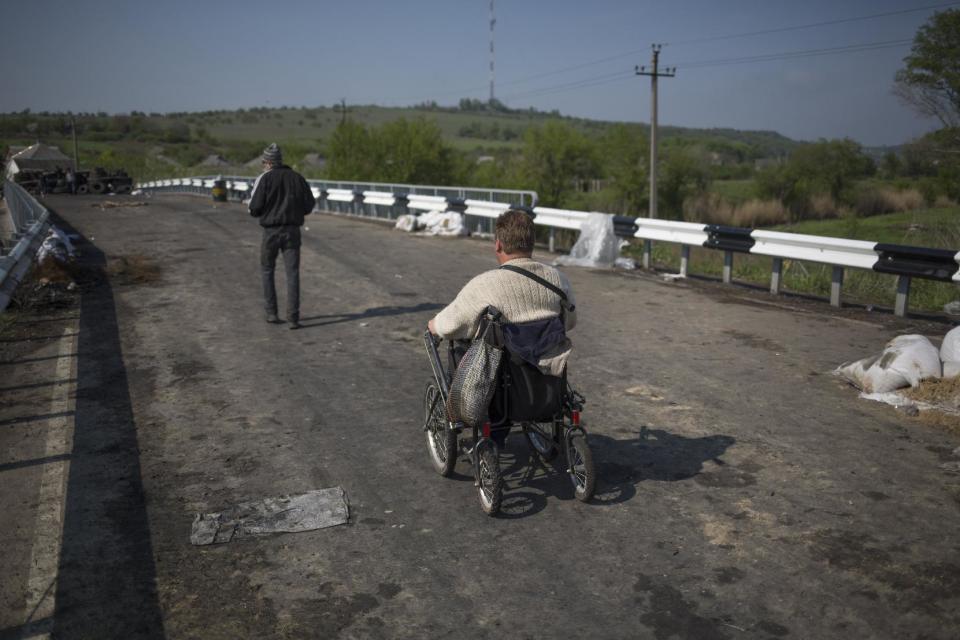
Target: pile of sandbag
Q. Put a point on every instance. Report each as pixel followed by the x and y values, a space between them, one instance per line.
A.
pixel 56 246
pixel 950 353
pixel 904 362
pixel 434 223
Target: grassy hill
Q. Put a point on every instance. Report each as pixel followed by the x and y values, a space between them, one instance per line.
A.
pixel 161 145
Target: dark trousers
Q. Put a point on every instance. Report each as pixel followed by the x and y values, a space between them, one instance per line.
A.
pixel 275 240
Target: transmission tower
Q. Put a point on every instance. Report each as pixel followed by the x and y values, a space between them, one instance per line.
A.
pixel 493 21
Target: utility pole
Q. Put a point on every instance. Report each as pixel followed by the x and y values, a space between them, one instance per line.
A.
pixel 76 150
pixel 343 110
pixel 654 74
pixel 493 21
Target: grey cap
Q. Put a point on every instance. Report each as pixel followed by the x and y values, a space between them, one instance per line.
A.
pixel 273 155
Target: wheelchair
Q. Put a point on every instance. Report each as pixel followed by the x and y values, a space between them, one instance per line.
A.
pixel 545 407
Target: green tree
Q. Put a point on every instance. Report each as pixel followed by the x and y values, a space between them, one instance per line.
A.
pixel 555 157
pixel 413 151
pixel 827 166
pixel 351 153
pixel 930 78
pixel 681 175
pixel 623 151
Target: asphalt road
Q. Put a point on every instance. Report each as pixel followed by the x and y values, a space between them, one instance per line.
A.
pixel 744 492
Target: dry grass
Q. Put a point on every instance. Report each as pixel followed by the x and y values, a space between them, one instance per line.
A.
pixel 760 213
pixel 943 393
pixel 943 202
pixel 712 208
pixel 874 201
pixel 824 207
pixel 132 269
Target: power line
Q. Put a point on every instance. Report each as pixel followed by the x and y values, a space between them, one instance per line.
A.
pixel 576 84
pixel 626 54
pixel 768 57
pixel 814 24
pixel 789 55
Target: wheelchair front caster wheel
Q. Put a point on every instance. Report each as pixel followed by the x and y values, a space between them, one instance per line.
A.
pixel 580 467
pixel 490 487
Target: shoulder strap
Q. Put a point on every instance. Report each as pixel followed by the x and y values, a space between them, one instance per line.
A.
pixel 549 285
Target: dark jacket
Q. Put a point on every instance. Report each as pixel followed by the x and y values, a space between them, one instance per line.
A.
pixel 281 197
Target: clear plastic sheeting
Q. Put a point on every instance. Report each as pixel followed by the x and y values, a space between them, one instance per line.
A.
pixel 904 362
pixel 284 514
pixel 597 246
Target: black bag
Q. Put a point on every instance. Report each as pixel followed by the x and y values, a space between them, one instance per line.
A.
pixel 532 395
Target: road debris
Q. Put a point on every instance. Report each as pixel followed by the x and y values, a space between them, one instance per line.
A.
pixel 107 204
pixel 308 511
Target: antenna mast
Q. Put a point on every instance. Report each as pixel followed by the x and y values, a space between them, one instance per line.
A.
pixel 493 21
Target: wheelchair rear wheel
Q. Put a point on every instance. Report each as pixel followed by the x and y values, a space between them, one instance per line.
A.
pixel 490 480
pixel 540 438
pixel 580 466
pixel 441 441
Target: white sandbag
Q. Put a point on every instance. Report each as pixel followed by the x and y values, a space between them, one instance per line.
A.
pixel 442 223
pixel 950 348
pixel 951 369
pixel 905 361
pixel 597 246
pixel 407 222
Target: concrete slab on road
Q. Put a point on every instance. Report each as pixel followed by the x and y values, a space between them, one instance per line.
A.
pixel 744 493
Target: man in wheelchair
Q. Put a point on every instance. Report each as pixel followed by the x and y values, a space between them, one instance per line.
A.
pixel 537 307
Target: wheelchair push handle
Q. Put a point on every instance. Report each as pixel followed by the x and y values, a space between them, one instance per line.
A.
pixel 431 342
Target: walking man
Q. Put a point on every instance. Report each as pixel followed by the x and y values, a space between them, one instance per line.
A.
pixel 280 199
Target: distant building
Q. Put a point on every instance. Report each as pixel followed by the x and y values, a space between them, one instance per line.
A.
pixel 314 160
pixel 36 157
pixel 483 159
pixel 215 160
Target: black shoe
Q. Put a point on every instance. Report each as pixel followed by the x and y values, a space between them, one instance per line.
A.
pixel 295 324
pixel 272 318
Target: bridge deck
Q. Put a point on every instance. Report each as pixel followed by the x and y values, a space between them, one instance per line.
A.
pixel 743 492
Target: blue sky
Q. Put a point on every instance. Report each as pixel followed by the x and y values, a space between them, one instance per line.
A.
pixel 118 56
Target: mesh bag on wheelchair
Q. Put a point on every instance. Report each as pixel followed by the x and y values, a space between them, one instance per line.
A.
pixel 476 377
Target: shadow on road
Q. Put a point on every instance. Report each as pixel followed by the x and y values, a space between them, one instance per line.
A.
pixel 621 465
pixel 373 312
pixel 107 576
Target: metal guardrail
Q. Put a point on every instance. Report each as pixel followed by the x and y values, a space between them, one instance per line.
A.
pixel 30 223
pixel 382 200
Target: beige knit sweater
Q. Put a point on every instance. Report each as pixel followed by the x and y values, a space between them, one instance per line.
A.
pixel 519 298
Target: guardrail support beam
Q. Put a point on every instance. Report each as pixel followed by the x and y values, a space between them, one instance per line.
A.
pixel 553 239
pixel 647 250
pixel 903 296
pixel 776 276
pixel 836 283
pixel 727 267
pixel 684 259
